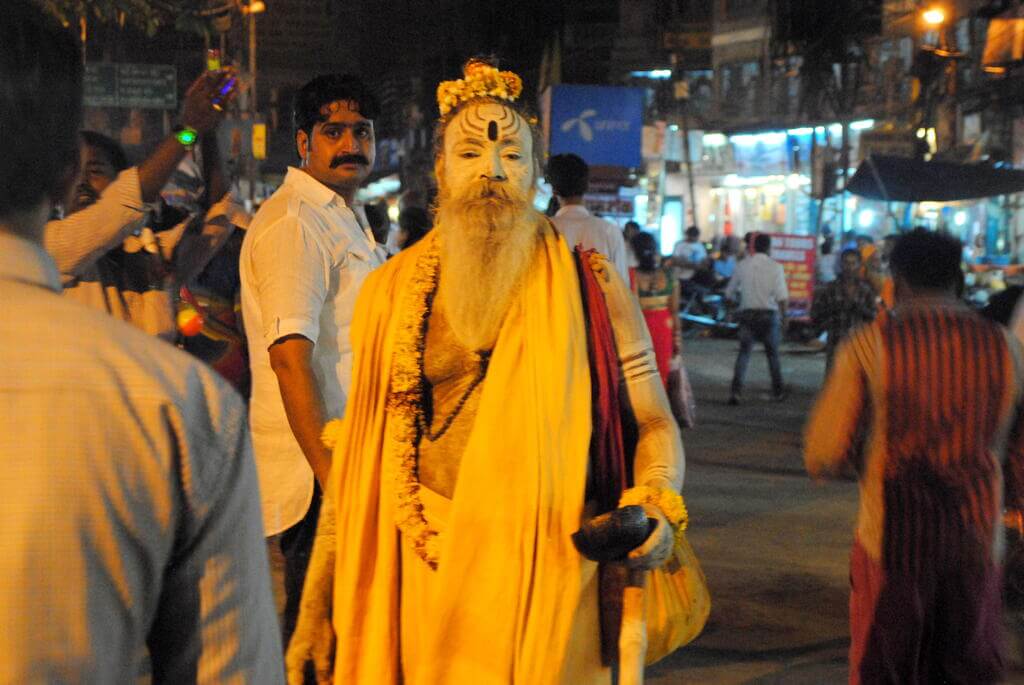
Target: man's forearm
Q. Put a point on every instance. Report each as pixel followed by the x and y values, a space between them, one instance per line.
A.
pixel 156 170
pixel 303 404
pixel 76 242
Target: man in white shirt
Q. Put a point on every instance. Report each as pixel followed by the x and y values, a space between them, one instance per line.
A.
pixel 689 254
pixel 761 282
pixel 101 263
pixel 303 260
pixel 132 546
pixel 569 177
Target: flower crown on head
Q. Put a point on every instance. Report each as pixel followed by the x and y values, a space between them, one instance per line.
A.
pixel 480 80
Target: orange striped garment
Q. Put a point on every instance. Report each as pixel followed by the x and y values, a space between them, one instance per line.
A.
pixel 926 407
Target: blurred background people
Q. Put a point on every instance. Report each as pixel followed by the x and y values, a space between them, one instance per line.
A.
pixel 658 293
pixel 760 283
pixel 569 177
pixel 119 248
pixel 689 254
pixel 843 304
pixel 413 224
pixel 825 268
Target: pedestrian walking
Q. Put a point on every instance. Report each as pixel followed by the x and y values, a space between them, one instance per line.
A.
pixel 763 295
pixel 843 304
pixel 925 406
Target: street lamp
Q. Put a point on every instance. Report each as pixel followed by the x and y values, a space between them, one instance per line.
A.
pixel 934 17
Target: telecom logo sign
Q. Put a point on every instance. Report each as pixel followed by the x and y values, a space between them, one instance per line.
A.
pixel 603 125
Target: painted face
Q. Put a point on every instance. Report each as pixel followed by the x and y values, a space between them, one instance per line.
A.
pixel 341 151
pixel 488 141
pixel 97 173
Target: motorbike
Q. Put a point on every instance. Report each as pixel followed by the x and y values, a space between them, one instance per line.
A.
pixel 705 311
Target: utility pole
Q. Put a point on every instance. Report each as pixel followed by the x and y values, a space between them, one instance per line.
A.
pixel 682 96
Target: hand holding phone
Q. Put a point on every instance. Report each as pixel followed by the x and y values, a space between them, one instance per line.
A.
pixel 225 89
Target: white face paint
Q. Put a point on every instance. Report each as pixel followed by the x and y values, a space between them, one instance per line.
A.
pixel 488 141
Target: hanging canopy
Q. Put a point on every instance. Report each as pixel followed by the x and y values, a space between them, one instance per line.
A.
pixel 903 179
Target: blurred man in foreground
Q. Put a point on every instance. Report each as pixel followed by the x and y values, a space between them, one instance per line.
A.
pixel 925 407
pixel 132 545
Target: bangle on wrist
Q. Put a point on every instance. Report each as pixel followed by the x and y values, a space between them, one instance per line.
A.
pixel 186 135
pixel 668 501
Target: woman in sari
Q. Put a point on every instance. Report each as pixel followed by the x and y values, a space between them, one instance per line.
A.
pixel 658 291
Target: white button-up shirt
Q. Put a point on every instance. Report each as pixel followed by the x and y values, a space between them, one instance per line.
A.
pixel 131 545
pixel 580 227
pixel 303 261
pixel 761 282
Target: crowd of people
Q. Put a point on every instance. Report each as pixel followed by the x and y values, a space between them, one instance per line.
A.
pixel 423 427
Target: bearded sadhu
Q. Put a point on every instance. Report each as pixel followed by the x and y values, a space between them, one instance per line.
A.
pixel 466 458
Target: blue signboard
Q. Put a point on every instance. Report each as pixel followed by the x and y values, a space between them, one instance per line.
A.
pixel 601 124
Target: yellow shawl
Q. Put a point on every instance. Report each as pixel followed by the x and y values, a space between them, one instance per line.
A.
pixel 513 581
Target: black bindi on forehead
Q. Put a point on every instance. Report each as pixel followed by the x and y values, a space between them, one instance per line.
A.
pixel 492 130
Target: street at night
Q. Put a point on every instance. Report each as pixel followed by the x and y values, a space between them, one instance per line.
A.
pixel 512 342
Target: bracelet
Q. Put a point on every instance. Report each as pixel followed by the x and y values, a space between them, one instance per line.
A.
pixel 668 501
pixel 186 135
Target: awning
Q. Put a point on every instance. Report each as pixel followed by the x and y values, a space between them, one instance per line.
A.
pixel 903 179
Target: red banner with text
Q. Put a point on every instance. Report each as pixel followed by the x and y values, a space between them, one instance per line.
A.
pixel 796 253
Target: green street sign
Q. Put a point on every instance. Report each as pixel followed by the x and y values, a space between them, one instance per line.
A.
pixel 139 86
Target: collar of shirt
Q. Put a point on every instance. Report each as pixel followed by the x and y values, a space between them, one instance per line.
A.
pixel 311 189
pixel 26 262
pixel 320 195
pixel 573 210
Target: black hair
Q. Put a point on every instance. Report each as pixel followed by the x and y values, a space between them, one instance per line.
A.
pixel 568 175
pixel 826 245
pixel 929 260
pixel 109 147
pixel 40 106
pixel 762 243
pixel 851 250
pixel 325 89
pixel 692 232
pixel 645 247
pixel 631 225
pixel 415 221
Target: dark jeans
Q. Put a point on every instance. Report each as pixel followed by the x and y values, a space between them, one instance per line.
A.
pixel 763 326
pixel 296 547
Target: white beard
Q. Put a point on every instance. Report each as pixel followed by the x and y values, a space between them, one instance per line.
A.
pixel 487 245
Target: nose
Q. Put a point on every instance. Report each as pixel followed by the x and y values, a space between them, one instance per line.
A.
pixel 495 169
pixel 349 142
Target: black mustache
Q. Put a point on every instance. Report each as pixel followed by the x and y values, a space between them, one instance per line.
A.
pixel 349 159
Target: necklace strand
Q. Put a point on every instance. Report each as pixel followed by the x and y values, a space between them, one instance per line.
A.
pixel 483 359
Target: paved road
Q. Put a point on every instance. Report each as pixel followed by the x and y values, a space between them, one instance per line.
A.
pixel 774 545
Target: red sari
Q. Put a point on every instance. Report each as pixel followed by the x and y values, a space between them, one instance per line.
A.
pixel 656 304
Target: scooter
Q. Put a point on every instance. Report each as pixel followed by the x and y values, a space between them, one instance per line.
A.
pixel 705 311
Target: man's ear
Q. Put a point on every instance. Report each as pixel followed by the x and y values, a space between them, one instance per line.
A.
pixel 439 170
pixel 68 179
pixel 302 145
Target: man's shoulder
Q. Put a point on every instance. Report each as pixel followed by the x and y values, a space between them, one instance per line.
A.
pixel 105 351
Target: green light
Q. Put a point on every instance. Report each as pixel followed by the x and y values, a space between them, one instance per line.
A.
pixel 187 136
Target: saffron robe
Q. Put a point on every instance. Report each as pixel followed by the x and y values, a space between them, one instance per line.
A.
pixel 517 602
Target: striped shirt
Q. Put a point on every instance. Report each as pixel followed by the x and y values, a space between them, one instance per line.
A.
pixel 926 407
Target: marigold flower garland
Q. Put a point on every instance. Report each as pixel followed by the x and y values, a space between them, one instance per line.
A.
pixel 668 501
pixel 405 405
pixel 480 80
